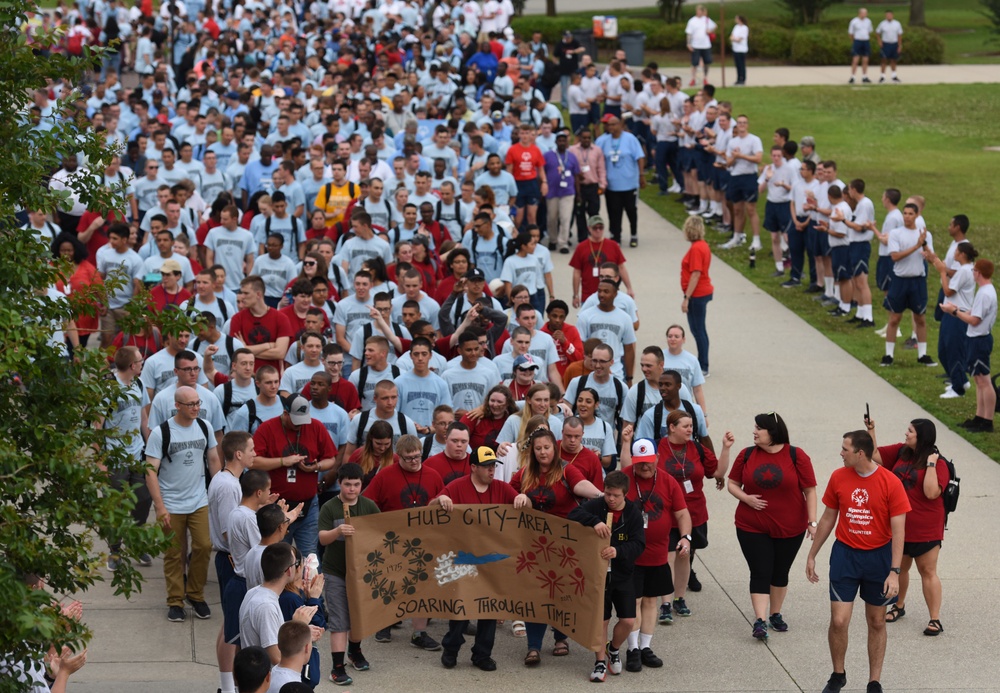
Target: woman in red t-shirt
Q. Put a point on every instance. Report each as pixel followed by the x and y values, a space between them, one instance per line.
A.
pixel 910 461
pixel 485 422
pixel 697 286
pixel 376 453
pixel 553 489
pixel 690 464
pixel 457 265
pixel 776 487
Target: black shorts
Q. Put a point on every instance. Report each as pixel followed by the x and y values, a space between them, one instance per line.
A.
pixel 742 188
pixel 915 549
pixel 621 597
pixel 652 580
pixel 907 293
pixel 699 537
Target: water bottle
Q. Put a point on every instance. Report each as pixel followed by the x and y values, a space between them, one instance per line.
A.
pixel 753 258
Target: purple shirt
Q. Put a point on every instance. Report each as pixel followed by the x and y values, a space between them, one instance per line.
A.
pixel 561 171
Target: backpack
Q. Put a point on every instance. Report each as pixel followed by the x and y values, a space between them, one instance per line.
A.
pixel 74 43
pixel 368 329
pixel 328 188
pixel 475 242
pixel 428 444
pixel 295 230
pixel 363 378
pixel 363 422
pixel 251 406
pixel 227 397
pixel 689 408
pixel 619 393
pixel 951 491
pixel 550 77
pixel 165 446
pixel 230 346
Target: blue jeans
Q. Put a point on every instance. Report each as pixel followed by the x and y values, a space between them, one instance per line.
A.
pixel 564 83
pixel 305 530
pixel 536 634
pixel 111 61
pixel 697 310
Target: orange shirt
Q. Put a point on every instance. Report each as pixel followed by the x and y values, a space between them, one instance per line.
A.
pixel 698 258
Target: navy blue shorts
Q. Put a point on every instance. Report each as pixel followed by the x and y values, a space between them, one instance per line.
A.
pixel 861 252
pixel 977 355
pixel 777 217
pixel 720 179
pixel 529 192
pixel 705 162
pixel 742 188
pixel 883 272
pixel 822 244
pixel 232 600
pixel 224 570
pixel 890 51
pixel 852 570
pixel 699 54
pixel 862 49
pixel 907 293
pixel 840 259
pixel 686 160
pixel 812 238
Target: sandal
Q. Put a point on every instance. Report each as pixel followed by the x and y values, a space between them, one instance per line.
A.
pixel 561 649
pixel 895 613
pixel 517 627
pixel 532 659
pixel 934 627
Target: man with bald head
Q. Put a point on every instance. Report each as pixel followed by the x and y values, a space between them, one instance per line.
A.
pixel 182 456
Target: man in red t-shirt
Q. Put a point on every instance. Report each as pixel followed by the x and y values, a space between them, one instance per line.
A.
pixel 574 453
pixel 453 462
pixel 569 346
pixel 588 258
pixel 343 393
pixel 527 164
pixel 867 504
pixel 263 329
pixel 293 449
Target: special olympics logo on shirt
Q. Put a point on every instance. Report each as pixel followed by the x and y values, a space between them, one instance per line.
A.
pixel 653 507
pixel 860 497
pixel 907 474
pixel 543 499
pixel 259 335
pixel 768 476
pixel 414 495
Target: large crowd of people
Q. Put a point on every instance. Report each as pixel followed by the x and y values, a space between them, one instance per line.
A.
pixel 361 204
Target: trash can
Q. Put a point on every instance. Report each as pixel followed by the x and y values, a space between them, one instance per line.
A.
pixel 585 37
pixel 634 45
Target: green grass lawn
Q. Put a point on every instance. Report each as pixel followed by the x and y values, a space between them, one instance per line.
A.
pixel 925 140
pixel 960 23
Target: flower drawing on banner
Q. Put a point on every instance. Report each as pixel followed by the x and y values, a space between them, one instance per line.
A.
pixel 551 581
pixel 543 546
pixel 526 561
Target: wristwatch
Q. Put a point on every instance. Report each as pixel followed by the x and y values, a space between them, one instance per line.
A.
pixel 894 570
pixel 814 525
pixel 687 536
pixel 931 464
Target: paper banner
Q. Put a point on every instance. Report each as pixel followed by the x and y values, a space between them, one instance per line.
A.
pixel 477 561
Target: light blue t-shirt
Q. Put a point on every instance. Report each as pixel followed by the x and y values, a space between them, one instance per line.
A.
pixel 182 476
pixel 621 156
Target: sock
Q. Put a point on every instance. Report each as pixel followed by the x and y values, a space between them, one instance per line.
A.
pixel 894 74
pixel 921 349
pixel 779 265
pixel 633 640
pixel 846 307
pixel 226 682
pixel 836 292
pixel 612 649
pixel 913 335
pixel 353 647
pixel 338 660
pixel 828 286
pixel 868 313
pixel 890 348
pixel 645 640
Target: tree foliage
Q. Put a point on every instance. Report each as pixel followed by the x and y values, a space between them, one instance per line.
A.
pixel 807 11
pixel 670 10
pixel 991 10
pixel 57 508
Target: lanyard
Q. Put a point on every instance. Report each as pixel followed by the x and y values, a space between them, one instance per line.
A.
pixel 638 492
pixel 680 460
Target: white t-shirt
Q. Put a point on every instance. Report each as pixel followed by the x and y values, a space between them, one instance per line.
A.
pixel 739 38
pixel 860 29
pixel 984 307
pixel 260 618
pixel 888 31
pixel 864 212
pixel 748 145
pixel 698 30
pixel 181 475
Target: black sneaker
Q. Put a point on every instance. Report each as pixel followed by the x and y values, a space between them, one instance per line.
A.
pixel 340 677
pixel 649 659
pixel 424 642
pixel 778 623
pixel 866 80
pixel 201 609
pixel 485 664
pixel 145 560
pixel 970 423
pixel 633 243
pixel 777 273
pixel 838 312
pixel 665 617
pixel 874 687
pixel 760 629
pixel 983 426
pixel 853 321
pixel 814 289
pixel 694 584
pixel 176 614
pixel 633 661
pixel 926 360
pixel 449 660
pixel 791 284
pixel 886 361
pixel 836 682
pixel 865 323
pixel 384 635
pixel 358 661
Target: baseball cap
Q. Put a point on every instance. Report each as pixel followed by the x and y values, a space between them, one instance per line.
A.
pixel 297 408
pixel 497 115
pixel 483 457
pixel 162 119
pixel 475 275
pixel 807 141
pixel 608 117
pixel 170 266
pixel 232 95
pixel 643 450
pixel 525 362
pixel 567 33
pixel 595 220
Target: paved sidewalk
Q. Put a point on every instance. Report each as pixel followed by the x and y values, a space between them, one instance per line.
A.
pixel 793 76
pixel 763 358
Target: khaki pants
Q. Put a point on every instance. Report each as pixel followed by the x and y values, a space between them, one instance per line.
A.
pixel 195 524
pixel 560 213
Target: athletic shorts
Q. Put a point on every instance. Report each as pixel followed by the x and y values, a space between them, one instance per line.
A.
pixel 777 217
pixel 705 163
pixel 685 159
pixel 223 570
pixel 232 600
pixel 619 596
pixel 720 179
pixel 854 570
pixel 916 549
pixel 883 272
pixel 652 580
pixel 840 260
pixel 742 188
pixel 699 537
pixel 338 617
pixel 529 192
pixel 822 244
pixel 978 350
pixel 907 293
pixel 812 238
pixel 861 49
pixel 700 54
pixel 890 51
pixel 861 252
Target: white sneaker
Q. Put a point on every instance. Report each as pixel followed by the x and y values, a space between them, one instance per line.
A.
pixel 881 332
pixel 599 673
pixel 736 241
pixel 756 243
pixel 949 393
pixel 674 188
pixel 784 245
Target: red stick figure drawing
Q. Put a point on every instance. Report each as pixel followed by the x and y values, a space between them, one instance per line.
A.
pixel 551 581
pixel 567 557
pixel 526 561
pixel 578 581
pixel 543 547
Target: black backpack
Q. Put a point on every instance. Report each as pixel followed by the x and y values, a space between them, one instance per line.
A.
pixel 550 77
pixel 428 444
pixel 367 330
pixel 363 378
pixel 295 230
pixel 227 397
pixel 230 347
pixel 619 393
pixel 951 491
pixel 658 410
pixel 363 422
pixel 165 446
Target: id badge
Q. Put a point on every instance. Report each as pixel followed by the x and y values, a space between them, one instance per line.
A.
pixel 290 475
pixel 645 520
pixel 596 272
pixel 585 169
pixel 688 486
pixel 614 158
pixel 563 184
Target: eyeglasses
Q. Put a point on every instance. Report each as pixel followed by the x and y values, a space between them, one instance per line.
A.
pixel 600 362
pixel 410 458
pixel 190 369
pixel 189 404
pixel 335 363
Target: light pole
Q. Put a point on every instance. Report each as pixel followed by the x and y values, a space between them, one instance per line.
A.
pixel 722 39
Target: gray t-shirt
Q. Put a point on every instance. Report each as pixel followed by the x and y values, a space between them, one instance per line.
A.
pixel 164 407
pixel 260 618
pixel 231 249
pixel 239 419
pixel 111 263
pixel 224 496
pixel 243 535
pixel 252 571
pixel 126 419
pixel 469 386
pixel 182 475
